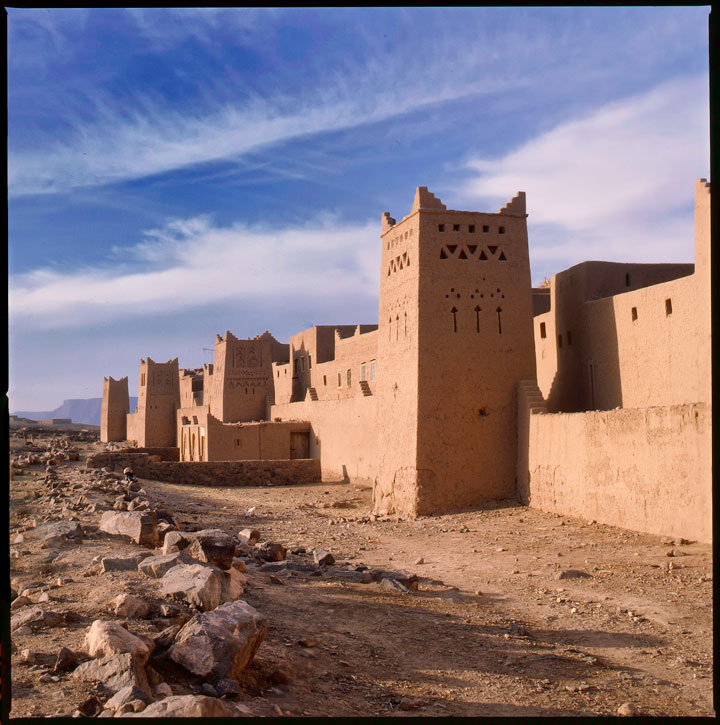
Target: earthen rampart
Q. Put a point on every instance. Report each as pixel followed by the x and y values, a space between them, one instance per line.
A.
pixel 216 473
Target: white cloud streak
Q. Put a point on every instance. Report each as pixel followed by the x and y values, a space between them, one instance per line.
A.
pixel 204 264
pixel 617 184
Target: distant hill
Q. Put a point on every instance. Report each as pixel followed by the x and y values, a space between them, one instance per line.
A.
pixel 78 409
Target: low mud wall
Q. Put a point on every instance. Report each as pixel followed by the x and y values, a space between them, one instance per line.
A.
pixel 214 473
pixel 647 469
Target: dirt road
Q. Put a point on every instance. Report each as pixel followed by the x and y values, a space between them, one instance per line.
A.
pixel 494 628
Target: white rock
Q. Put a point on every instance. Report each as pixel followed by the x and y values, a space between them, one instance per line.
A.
pixel 127 605
pixel 106 638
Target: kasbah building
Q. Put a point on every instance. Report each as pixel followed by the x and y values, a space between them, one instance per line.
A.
pixel 588 398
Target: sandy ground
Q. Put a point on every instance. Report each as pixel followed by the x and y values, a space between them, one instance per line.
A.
pixel 490 631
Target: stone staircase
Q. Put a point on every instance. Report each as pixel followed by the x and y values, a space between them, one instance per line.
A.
pixel 365 387
pixel 529 391
pixel 311 394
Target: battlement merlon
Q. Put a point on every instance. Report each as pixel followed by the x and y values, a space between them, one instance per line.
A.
pixel 425 199
pixel 516 205
pixel 387 222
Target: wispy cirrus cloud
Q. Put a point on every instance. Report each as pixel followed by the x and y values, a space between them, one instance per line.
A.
pixel 616 184
pixel 192 262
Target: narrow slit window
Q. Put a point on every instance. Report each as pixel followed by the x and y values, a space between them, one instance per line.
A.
pixel 559 340
pixel 543 331
pixel 348 378
pixel 668 307
pixel 633 313
pixel 372 370
pixel 363 371
pixel 324 379
pixel 339 380
pixel 302 363
pixel 627 280
pixel 309 361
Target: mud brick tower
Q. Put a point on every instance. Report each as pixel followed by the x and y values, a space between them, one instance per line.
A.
pixel 455 337
pixel 241 379
pixel 115 407
pixel 153 425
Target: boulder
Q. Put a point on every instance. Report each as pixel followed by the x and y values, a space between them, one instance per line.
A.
pixel 106 638
pixel 198 584
pixel 394 585
pixel 128 562
pixel 126 605
pixel 213 546
pixel 66 659
pixel 163 529
pixel 188 706
pixel 360 577
pixel 232 585
pixel 125 695
pixel 221 643
pixel 176 541
pixel 140 526
pixel 34 617
pixel 156 567
pixel 115 672
pixel 270 551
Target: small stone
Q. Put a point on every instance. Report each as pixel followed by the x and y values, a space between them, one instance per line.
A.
pixel 208 689
pixel 44 597
pixel 393 585
pixel 249 536
pixel 627 709
pixel 131 607
pixel 29 657
pixel 573 574
pixel 420 561
pixel 307 642
pixel 22 631
pixel 270 551
pixel 227 688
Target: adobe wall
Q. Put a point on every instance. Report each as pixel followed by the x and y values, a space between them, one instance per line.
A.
pixel 343 435
pixel 115 407
pixel 221 473
pixel 191 387
pixel 643 469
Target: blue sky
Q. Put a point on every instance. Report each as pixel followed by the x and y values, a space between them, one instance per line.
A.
pixel 175 173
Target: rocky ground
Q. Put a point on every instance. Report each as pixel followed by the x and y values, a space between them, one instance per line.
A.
pixel 297 601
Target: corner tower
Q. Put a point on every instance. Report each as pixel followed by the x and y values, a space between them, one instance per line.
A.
pixel 455 337
pixel 154 425
pixel 241 378
pixel 115 407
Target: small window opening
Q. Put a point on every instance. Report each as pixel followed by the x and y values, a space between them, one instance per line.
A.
pixel 441 227
pixel 471 228
pixel 309 361
pixel 237 442
pixel 302 363
pixel 668 307
pixel 501 230
pixel 372 370
pixel 348 378
pixel 543 331
pixel 486 228
pixel 627 280
pixel 456 227
pixel 339 380
pixel 634 313
pixel 324 379
pixel 363 371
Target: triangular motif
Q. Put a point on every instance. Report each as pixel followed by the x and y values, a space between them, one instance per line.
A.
pixel 483 256
pixel 502 257
pixel 462 254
